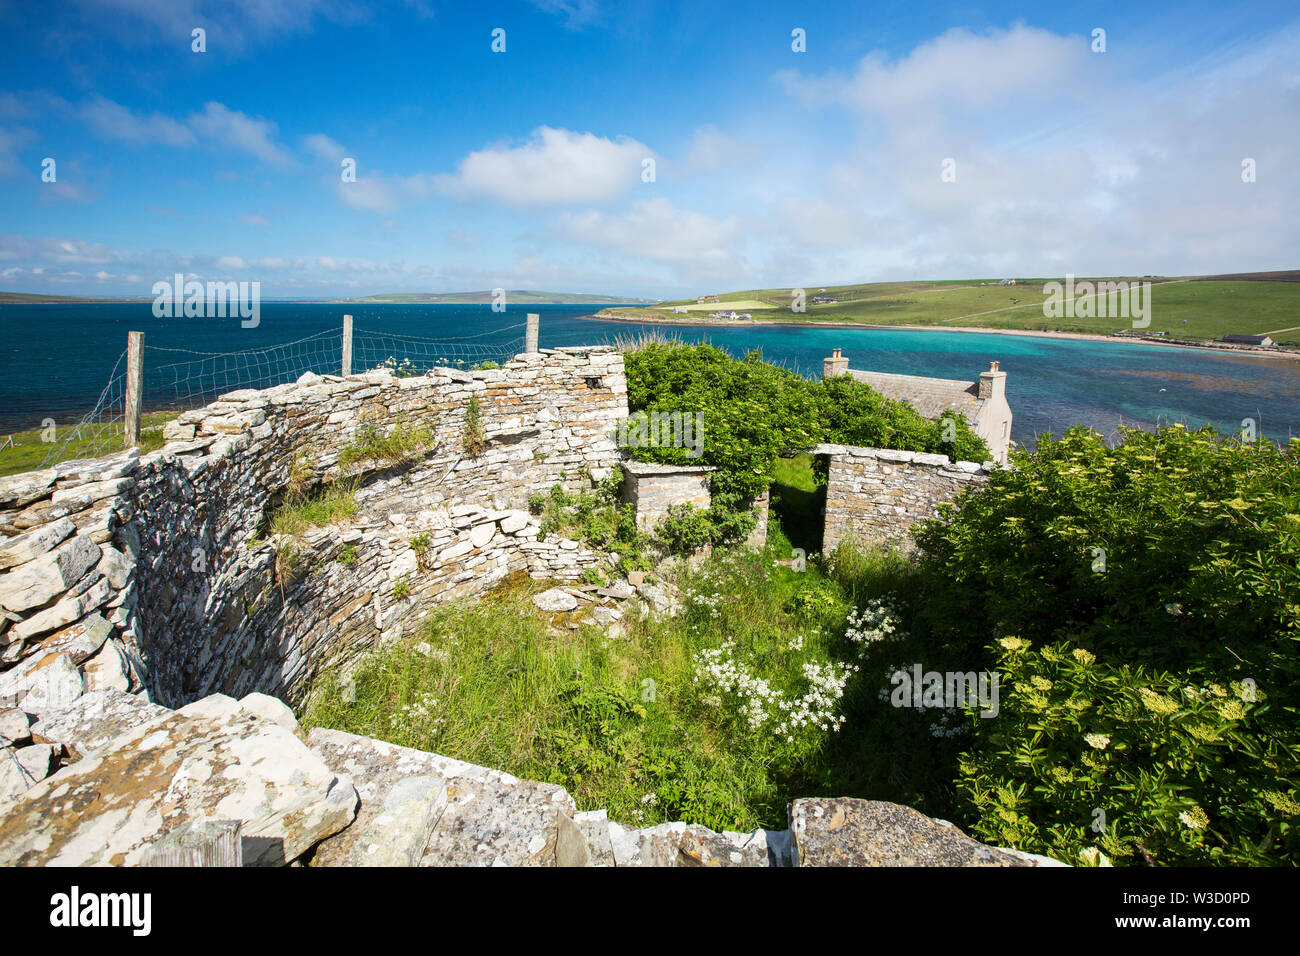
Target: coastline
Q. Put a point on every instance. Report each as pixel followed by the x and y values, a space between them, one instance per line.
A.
pixel 1248 351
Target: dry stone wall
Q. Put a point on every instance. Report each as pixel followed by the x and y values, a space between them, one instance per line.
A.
pixel 876 495
pixel 156 571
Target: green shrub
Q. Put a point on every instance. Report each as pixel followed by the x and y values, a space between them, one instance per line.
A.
pixel 1144 766
pixel 1174 560
pixel 685 529
pixel 754 412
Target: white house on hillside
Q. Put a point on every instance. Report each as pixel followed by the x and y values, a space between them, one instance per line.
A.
pixel 983 403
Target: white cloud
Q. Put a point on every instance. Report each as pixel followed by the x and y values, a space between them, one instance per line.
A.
pixel 655 229
pixel 576 13
pixel 11 140
pixel 240 131
pixel 231 24
pixel 324 148
pixel 709 149
pixel 114 121
pixel 556 167
pixel 955 70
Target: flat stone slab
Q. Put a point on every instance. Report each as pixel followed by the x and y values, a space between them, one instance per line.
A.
pixel 491 818
pixel 841 831
pixel 97 718
pixel 211 760
pixel 555 600
pixel 702 847
pixel 402 799
pixel 15 728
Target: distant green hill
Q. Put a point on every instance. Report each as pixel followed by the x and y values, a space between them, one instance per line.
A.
pixel 513 297
pixel 32 298
pixel 1188 307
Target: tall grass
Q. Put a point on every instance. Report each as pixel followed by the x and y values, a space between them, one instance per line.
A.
pixel 622 721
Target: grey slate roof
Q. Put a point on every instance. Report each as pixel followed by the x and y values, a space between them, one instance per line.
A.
pixel 929 396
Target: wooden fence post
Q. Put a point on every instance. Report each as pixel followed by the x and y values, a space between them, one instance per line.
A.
pixel 530 334
pixel 134 388
pixel 212 843
pixel 347 345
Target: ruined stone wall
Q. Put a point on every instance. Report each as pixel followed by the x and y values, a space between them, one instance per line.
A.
pixel 876 495
pixel 162 563
pixel 653 488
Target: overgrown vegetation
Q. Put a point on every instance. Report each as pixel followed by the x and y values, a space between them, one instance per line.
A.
pixel 311 509
pixel 473 438
pixel 1143 605
pixel 598 519
pixel 710 716
pixel 1140 604
pixel 754 412
pixel 402 443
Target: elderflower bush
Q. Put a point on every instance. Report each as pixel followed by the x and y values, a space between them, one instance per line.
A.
pixel 1183 774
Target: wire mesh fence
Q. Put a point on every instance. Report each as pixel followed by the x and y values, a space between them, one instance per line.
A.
pixel 101 430
pixel 174 380
pixel 416 355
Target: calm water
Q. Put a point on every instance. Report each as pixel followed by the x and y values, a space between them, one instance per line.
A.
pixel 56 359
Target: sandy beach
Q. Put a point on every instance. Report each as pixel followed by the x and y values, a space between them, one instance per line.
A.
pixel 1248 351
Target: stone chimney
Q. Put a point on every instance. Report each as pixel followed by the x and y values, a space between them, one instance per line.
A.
pixel 993 384
pixel 837 364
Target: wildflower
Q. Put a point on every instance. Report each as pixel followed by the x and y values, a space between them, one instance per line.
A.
pixel 1194 818
pixel 1157 703
pixel 1281 802
pixel 1232 710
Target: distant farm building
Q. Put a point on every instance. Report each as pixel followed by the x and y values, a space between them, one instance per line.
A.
pixel 1238 339
pixel 982 403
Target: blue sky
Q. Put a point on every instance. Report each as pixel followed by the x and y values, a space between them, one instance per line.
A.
pixel 524 169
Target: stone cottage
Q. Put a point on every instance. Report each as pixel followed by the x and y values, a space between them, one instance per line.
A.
pixel 982 403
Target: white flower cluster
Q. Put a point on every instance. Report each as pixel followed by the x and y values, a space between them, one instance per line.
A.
pixel 719 670
pixel 711 601
pixel 950 722
pixel 817 707
pixel 418 712
pixel 761 704
pixel 875 621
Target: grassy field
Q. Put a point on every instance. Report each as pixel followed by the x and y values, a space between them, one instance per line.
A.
pixel 29 450
pixel 1194 309
pixel 734 305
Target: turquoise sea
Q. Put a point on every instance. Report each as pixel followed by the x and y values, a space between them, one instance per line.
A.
pixel 56 359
